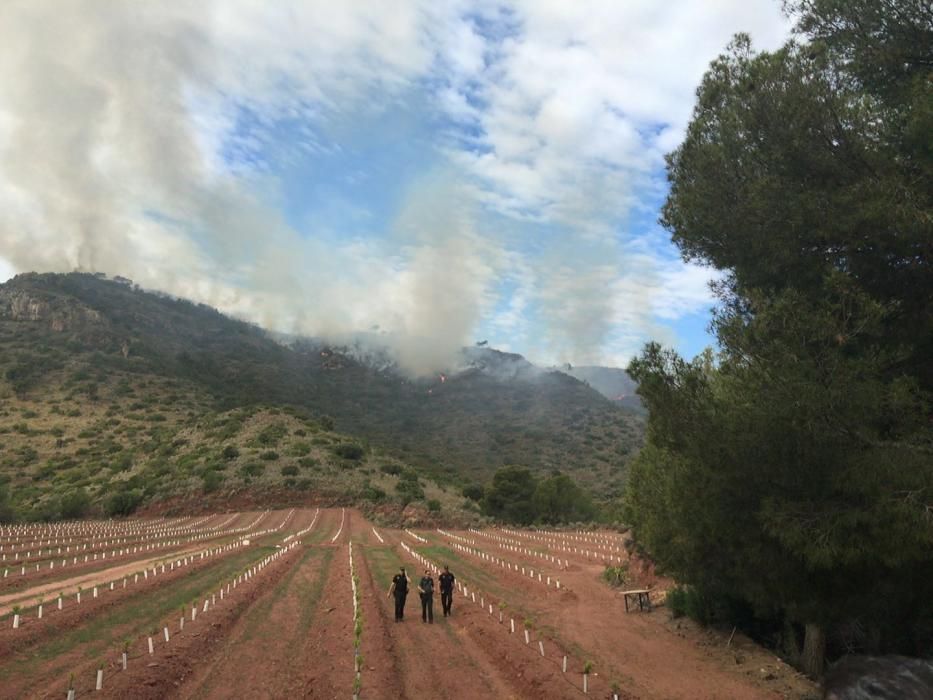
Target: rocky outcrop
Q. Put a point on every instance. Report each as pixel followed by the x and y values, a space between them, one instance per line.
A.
pixel 57 314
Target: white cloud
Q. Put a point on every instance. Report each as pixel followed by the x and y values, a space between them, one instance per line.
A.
pixel 123 147
pixel 584 98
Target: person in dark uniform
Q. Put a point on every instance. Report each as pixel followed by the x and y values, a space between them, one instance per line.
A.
pixel 426 589
pixel 447 590
pixel 399 589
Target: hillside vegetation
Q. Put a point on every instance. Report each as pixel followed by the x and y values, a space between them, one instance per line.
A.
pixel 788 479
pixel 135 396
pixel 111 442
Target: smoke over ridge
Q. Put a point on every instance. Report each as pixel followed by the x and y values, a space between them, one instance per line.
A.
pixel 124 149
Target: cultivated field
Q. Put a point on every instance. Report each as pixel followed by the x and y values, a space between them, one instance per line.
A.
pixel 264 605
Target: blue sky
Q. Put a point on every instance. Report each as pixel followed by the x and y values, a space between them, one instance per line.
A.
pixel 432 172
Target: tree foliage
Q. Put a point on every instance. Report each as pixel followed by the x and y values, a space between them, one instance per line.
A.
pixel 795 470
pixel 74 504
pixel 558 499
pixel 510 495
pixel 7 514
pixel 517 496
pixel 124 502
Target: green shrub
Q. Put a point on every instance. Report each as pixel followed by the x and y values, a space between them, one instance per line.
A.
pixel 212 481
pixel 74 504
pixel 307 462
pixel 289 470
pixel 123 503
pixel 230 452
pixel 687 600
pixel 434 505
pixel 252 469
pixel 373 493
pixel 271 434
pixel 393 469
pixel 349 450
pixel 474 492
pixel 299 449
pixel 269 455
pixel 615 575
pixel 409 490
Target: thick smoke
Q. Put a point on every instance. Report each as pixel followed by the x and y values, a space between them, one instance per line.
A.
pixel 123 150
pixel 104 168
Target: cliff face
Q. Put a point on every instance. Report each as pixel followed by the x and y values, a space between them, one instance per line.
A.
pixel 20 303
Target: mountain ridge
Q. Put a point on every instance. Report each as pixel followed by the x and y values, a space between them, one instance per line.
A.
pixel 459 428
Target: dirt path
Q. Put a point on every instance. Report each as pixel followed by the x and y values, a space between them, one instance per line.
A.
pixel 465 652
pixel 260 649
pixel 322 659
pixel 290 632
pixel 640 649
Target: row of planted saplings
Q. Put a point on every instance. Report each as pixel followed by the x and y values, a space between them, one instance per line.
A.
pixel 343 516
pixel 487 606
pixel 52 557
pixel 210 602
pixel 569 542
pixel 75 528
pixel 611 544
pixel 302 533
pixel 574 544
pixel 416 536
pixel 357 629
pixel 91 529
pixel 511 566
pixel 19 617
pixel 151 546
pixel 583 535
pixel 521 546
pixel 105 540
pixel 149 534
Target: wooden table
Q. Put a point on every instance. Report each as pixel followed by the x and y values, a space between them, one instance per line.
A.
pixel 640 597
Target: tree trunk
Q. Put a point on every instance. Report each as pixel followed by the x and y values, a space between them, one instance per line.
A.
pixel 814 650
pixel 789 643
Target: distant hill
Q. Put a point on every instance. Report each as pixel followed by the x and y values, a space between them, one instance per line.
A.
pixel 76 345
pixel 611 382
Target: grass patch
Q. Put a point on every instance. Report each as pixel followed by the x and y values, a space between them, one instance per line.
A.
pixel 257 615
pixel 140 616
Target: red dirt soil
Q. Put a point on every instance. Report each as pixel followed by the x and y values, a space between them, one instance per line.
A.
pixel 651 656
pixel 288 632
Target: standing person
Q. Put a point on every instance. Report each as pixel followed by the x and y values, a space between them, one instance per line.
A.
pixel 426 589
pixel 447 590
pixel 399 588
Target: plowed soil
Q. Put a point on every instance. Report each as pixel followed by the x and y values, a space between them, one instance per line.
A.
pixel 288 631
